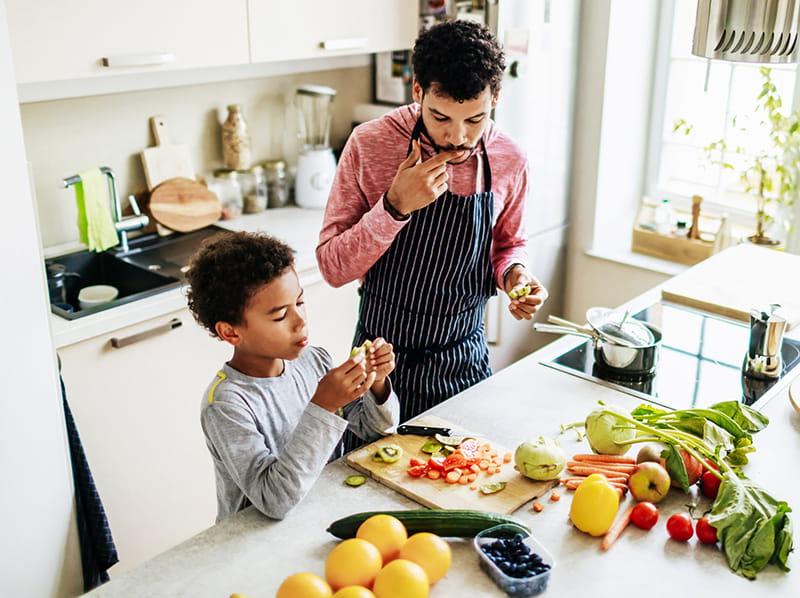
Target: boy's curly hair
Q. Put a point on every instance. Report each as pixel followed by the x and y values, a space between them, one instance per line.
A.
pixel 460 57
pixel 227 271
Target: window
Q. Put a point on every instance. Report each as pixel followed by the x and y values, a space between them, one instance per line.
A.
pixel 678 166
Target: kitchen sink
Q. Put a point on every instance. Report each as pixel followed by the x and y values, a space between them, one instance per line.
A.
pixel 152 265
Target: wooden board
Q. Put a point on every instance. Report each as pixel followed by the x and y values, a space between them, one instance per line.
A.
pixel 738 279
pixel 794 394
pixel 166 160
pixel 436 493
pixel 184 205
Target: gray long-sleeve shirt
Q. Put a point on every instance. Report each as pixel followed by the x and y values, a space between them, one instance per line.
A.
pixel 269 443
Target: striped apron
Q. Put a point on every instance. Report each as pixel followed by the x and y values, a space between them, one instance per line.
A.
pixel 427 294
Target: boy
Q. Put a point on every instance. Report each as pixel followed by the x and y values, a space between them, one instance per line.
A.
pixel 270 416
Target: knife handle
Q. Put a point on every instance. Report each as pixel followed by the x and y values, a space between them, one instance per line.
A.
pixel 422 430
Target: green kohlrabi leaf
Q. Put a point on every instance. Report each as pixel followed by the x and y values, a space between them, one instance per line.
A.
pixel 748 419
pixel 675 466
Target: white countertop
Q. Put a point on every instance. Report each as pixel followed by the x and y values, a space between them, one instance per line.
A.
pixel 251 554
pixel 297 227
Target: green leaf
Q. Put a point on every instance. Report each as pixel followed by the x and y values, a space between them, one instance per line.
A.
pixel 676 467
pixel 747 418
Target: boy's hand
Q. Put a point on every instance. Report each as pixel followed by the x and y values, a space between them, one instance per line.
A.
pixel 380 361
pixel 343 384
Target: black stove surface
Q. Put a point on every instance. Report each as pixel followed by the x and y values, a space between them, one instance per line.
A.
pixel 700 361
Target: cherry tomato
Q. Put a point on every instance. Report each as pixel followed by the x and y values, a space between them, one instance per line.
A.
pixel 644 515
pixel 417 471
pixel 415 462
pixel 710 485
pixel 706 532
pixel 679 527
pixel 453 461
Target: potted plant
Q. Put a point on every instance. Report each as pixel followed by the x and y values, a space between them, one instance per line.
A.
pixel 772 176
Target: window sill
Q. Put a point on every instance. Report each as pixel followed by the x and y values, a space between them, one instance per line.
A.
pixel 637 260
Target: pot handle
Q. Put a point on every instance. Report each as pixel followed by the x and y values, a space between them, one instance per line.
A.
pixel 550 328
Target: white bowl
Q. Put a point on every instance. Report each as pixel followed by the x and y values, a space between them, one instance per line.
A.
pixel 97 294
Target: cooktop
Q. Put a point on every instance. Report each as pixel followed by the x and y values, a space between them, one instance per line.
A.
pixel 700 362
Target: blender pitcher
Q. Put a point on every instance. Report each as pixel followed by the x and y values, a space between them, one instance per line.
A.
pixel 316 165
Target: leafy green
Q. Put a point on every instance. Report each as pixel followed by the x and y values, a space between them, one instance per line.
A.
pixel 753 528
pixel 675 466
pixel 748 419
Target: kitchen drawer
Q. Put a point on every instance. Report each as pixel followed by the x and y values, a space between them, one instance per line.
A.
pixel 137 409
pixel 55 40
pixel 282 30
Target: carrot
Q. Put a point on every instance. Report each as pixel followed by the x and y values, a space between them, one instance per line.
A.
pixel 464 479
pixel 538 507
pixel 608 466
pixel 555 496
pixel 484 464
pixel 507 458
pixel 604 459
pixel 474 468
pixel 473 487
pixel 452 477
pixel 616 529
pixel 587 471
pixel 434 474
pixel 619 480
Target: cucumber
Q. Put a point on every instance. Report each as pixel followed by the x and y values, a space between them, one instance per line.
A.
pixel 448 523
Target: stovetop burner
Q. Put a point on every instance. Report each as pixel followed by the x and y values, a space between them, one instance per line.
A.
pixel 700 362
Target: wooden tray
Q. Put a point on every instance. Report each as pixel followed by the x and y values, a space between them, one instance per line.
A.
pixel 436 493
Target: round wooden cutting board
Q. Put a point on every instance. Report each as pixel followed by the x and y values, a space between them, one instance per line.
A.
pixel 184 205
pixel 794 394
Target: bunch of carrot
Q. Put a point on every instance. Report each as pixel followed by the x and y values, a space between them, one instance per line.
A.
pixel 616 469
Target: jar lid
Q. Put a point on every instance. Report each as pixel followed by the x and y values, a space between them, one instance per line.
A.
pixel 225 173
pixel 257 169
pixel 274 164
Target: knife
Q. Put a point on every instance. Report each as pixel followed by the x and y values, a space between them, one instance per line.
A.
pixel 422 430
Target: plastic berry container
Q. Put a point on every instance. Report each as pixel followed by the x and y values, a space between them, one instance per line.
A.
pixel 529 585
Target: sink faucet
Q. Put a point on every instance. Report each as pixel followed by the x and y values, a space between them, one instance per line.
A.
pixel 122 225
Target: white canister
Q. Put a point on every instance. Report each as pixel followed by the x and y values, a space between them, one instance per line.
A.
pixel 315 171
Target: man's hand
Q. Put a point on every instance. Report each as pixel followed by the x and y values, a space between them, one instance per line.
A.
pixel 380 360
pixel 418 183
pixel 343 384
pixel 524 307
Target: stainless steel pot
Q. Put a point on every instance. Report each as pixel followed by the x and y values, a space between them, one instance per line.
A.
pixel 623 358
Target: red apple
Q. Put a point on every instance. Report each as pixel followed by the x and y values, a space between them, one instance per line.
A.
pixel 650 482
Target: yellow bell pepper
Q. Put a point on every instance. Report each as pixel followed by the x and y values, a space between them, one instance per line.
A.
pixel 594 506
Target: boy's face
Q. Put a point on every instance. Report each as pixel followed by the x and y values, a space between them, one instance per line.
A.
pixel 454 125
pixel 274 321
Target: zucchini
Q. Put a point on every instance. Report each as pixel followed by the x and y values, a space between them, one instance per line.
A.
pixel 448 523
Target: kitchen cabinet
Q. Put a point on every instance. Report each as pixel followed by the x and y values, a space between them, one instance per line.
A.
pixel 53 41
pixel 137 409
pixel 282 30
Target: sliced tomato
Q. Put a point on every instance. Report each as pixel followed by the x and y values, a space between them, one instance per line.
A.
pixel 455 460
pixel 413 462
pixel 417 471
pixel 436 463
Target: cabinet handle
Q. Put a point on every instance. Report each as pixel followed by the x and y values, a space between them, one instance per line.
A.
pixel 119 343
pixel 350 43
pixel 129 60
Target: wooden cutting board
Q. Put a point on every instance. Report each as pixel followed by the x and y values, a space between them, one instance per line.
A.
pixel 738 279
pixel 166 160
pixel 436 493
pixel 794 394
pixel 184 205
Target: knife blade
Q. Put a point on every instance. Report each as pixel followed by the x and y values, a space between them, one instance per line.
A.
pixel 407 429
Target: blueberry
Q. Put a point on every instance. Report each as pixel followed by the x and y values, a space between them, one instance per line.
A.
pixel 519 538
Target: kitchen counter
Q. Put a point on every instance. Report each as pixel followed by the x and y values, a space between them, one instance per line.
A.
pixel 251 554
pixel 296 226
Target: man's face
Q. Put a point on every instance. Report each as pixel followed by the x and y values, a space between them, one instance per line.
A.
pixel 451 124
pixel 274 321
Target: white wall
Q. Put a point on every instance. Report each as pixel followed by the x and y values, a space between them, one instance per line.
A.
pixel 611 126
pixel 63 137
pixel 38 550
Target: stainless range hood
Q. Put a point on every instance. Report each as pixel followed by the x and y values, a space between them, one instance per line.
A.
pixel 759 31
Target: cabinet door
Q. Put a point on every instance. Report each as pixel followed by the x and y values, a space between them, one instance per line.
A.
pixel 281 30
pixel 332 316
pixel 137 409
pixel 54 40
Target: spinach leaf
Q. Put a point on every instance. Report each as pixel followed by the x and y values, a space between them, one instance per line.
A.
pixel 676 466
pixel 747 418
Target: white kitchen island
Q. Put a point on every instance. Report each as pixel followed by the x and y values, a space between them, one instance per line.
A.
pixel 251 554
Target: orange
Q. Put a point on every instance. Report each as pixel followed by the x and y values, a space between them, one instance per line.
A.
pixel 401 579
pixel 354 562
pixel 430 552
pixel 304 585
pixel 384 532
pixel 354 592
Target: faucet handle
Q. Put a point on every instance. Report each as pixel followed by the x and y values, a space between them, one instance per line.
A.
pixel 134 205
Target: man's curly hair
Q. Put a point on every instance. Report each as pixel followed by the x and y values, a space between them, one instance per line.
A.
pixel 460 57
pixel 227 270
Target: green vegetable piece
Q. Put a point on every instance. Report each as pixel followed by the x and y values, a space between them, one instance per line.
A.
pixel 354 481
pixel 388 453
pixel 492 488
pixel 676 467
pixel 748 419
pixel 451 440
pixel 363 348
pixel 431 446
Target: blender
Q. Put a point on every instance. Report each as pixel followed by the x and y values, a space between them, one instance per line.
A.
pixel 316 164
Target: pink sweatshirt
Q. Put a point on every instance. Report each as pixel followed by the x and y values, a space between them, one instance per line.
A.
pixel 357 230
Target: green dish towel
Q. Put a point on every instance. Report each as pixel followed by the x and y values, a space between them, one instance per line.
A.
pixel 95 222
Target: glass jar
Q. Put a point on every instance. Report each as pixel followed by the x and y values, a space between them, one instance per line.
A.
pixel 235 139
pixel 225 183
pixel 277 183
pixel 254 189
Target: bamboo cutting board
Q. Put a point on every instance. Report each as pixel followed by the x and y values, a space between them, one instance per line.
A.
pixel 184 205
pixel 738 279
pixel 437 494
pixel 166 160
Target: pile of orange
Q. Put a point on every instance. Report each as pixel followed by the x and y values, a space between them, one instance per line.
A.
pixel 380 562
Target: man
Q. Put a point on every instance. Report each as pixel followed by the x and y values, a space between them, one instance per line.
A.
pixel 427 210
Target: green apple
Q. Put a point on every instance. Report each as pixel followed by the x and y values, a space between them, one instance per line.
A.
pixel 650 482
